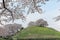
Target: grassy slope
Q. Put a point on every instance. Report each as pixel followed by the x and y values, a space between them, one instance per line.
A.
pixel 37 32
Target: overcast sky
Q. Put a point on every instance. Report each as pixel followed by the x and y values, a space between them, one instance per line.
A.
pixel 50 10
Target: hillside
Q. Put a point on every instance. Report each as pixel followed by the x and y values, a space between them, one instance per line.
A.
pixel 37 33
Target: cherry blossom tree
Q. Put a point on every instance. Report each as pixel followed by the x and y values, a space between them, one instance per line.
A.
pixel 15 9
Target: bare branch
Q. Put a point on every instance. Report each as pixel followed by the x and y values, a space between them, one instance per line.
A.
pixel 57 18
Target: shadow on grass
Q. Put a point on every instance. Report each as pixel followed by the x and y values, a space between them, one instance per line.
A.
pixel 33 39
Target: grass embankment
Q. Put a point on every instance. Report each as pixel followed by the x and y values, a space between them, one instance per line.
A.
pixel 37 33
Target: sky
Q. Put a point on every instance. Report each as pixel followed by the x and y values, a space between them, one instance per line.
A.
pixel 50 10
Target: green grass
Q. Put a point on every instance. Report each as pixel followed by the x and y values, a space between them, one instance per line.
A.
pixel 37 32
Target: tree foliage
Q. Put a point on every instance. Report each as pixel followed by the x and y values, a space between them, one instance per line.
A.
pixel 14 9
pixel 57 18
pixel 10 29
pixel 39 22
pixel 31 23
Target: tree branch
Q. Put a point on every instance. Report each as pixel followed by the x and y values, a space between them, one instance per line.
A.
pixel 7 10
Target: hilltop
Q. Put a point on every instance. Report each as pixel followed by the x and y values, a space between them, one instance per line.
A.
pixel 35 32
